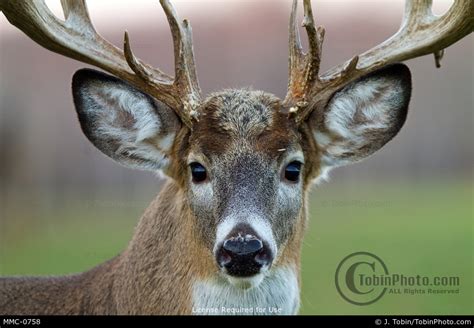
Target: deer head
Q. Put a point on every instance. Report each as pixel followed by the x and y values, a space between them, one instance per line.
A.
pixel 244 159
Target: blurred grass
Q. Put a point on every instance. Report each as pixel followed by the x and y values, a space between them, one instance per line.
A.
pixel 415 228
pixel 421 228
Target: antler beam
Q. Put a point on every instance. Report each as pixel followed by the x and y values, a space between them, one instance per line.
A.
pixel 421 33
pixel 76 38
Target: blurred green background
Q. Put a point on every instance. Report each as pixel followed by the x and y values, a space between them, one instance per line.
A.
pixel 65 208
pixel 416 228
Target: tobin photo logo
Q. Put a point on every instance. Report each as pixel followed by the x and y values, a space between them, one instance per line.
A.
pixel 362 278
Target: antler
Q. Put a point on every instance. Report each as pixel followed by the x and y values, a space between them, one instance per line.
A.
pixel 76 38
pixel 420 33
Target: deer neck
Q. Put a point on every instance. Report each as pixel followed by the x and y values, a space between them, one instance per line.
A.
pixel 160 261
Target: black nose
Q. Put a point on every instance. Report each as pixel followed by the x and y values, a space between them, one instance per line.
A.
pixel 243 255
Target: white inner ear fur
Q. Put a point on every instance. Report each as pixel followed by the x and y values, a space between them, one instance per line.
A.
pixel 128 118
pixel 365 106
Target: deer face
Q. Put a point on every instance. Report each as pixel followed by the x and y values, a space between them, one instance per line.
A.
pixel 245 166
pixel 245 180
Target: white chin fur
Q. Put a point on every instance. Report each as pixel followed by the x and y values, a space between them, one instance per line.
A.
pixel 275 291
pixel 246 282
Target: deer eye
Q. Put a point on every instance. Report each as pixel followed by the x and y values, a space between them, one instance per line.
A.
pixel 292 171
pixel 198 172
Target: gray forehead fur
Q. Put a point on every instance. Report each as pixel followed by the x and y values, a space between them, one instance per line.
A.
pixel 243 180
pixel 242 112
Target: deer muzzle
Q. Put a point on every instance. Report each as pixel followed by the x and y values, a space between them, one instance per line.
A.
pixel 243 253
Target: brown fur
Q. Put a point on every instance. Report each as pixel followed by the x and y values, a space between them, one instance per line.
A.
pixel 148 277
pixel 172 247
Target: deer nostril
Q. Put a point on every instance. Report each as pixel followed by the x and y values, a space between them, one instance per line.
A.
pixel 223 258
pixel 263 258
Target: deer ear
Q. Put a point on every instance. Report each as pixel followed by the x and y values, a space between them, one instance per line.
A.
pixel 363 116
pixel 122 122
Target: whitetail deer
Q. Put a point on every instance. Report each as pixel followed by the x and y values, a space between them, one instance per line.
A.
pixel 225 232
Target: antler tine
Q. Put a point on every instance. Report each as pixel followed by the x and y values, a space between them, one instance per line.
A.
pixel 417 12
pixel 296 50
pixel 296 55
pixel 75 12
pixel 137 67
pixel 303 67
pixel 315 40
pixel 185 69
